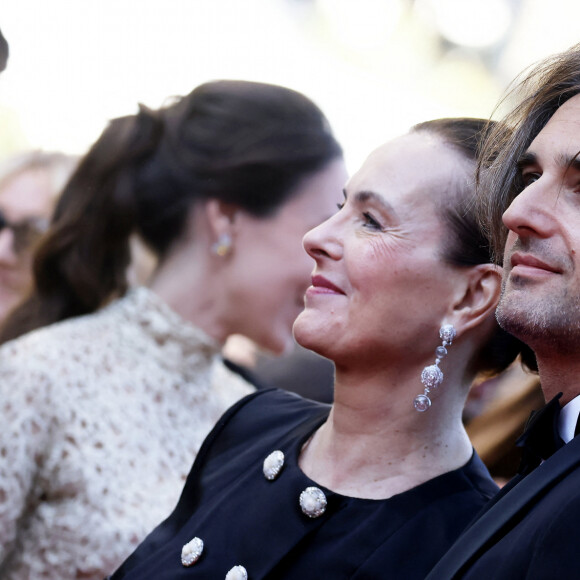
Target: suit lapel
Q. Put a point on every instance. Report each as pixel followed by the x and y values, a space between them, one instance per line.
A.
pixel 503 510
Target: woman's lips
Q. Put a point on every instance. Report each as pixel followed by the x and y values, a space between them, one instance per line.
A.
pixel 321 285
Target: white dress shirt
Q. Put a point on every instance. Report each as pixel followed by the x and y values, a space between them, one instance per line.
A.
pixel 568 419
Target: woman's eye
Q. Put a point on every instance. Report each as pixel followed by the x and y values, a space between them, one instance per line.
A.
pixel 371 222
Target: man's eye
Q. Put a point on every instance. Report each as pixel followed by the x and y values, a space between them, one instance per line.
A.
pixel 529 178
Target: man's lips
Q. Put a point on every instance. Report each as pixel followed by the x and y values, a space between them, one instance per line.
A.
pixel 527 262
pixel 323 286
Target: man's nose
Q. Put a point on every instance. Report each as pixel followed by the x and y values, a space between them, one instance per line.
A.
pixel 532 212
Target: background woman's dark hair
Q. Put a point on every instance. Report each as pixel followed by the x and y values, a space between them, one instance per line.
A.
pixel 244 143
pixel 467 245
pixel 539 92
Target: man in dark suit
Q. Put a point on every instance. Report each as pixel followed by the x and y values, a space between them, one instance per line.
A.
pixel 530 173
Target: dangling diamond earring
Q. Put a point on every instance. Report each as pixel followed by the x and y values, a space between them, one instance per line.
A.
pixel 223 246
pixel 432 376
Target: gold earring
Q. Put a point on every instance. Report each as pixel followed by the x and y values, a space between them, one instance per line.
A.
pixel 223 246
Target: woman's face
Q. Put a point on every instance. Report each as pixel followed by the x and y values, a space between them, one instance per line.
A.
pixel 26 201
pixel 380 283
pixel 270 270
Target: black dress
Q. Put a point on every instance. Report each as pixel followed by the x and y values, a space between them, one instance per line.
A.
pixel 245 519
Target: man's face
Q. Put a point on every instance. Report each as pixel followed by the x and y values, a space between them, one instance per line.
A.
pixel 540 301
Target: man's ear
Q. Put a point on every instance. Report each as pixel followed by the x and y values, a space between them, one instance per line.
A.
pixel 481 293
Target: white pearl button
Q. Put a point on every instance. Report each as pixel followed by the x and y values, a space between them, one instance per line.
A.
pixel 191 552
pixel 273 465
pixel 237 573
pixel 313 502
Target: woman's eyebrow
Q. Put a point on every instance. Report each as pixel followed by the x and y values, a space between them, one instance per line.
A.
pixel 365 196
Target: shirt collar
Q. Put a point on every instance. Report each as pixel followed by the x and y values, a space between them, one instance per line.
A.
pixel 568 419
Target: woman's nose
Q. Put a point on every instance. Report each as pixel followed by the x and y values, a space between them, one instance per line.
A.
pixel 323 240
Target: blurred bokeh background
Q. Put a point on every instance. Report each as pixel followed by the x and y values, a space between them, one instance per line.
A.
pixel 374 66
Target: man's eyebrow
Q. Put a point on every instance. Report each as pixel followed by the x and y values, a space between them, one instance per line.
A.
pixel 528 158
pixel 563 160
pixel 569 161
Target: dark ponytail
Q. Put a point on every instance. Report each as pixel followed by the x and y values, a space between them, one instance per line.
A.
pixel 244 143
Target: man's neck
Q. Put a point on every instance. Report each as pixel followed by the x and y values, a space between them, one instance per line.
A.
pixel 559 375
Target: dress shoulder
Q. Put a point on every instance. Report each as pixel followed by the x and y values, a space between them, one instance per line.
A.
pixel 247 427
pixel 275 411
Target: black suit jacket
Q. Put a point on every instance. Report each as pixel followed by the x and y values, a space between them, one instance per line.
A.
pixel 531 530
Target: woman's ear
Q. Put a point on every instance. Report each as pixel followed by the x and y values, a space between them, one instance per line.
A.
pixel 480 297
pixel 220 218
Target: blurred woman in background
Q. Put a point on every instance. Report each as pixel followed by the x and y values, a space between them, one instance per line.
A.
pixel 103 408
pixel 30 183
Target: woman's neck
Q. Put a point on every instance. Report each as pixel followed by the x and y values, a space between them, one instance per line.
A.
pixel 375 445
pixel 185 282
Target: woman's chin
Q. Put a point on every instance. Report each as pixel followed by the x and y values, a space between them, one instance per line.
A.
pixel 307 337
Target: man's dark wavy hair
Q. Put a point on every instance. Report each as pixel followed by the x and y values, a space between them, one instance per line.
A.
pixel 539 93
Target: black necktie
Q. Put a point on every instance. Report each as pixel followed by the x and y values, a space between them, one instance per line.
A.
pixel 540 438
pixel 577 430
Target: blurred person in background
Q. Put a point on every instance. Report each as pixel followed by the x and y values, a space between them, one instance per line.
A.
pixel 495 429
pixel 299 370
pixel 379 484
pixel 4 52
pixel 30 183
pixel 103 409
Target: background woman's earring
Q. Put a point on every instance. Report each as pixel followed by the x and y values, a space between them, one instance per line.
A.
pixel 223 246
pixel 432 376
